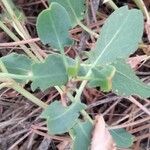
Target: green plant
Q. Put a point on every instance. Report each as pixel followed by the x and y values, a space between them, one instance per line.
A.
pixel 105 67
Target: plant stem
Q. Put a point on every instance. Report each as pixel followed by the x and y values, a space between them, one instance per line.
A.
pixel 112 4
pixel 12 84
pixel 143 8
pixel 21 30
pixel 83 112
pixel 15 38
pixel 3 85
pixel 15 76
pixel 80 90
pixel 2 66
pixel 82 78
pixel 62 51
pixel 28 95
pixel 88 30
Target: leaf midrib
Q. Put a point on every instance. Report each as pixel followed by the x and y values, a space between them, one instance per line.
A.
pixel 96 61
pixel 64 113
pixel 75 16
pixel 121 137
pixel 55 30
pixel 136 82
pixel 83 131
pixel 48 76
pixel 17 68
pixel 111 41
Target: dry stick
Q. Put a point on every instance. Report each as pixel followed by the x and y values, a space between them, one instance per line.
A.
pixel 44 3
pixel 50 137
pixel 134 101
pixel 135 117
pixel 39 127
pixel 135 112
pixel 15 38
pixel 9 122
pixel 94 12
pixel 112 4
pixel 139 128
pixel 17 133
pixel 129 124
pixel 102 101
pixel 142 137
pixel 33 3
pixel 21 139
pixel 112 106
pixel 124 118
pixel 21 30
pixel 35 111
pixel 31 141
pixel 19 42
pixel 131 117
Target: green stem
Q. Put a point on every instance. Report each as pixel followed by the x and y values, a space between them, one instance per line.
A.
pixel 2 66
pixel 3 85
pixel 64 57
pixel 15 76
pixel 143 8
pixel 83 112
pixel 87 29
pixel 12 84
pixel 80 23
pixel 81 78
pixel 15 38
pixel 80 90
pixel 21 30
pixel 28 95
pixel 112 4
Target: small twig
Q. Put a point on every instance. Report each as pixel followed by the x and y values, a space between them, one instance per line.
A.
pixel 129 124
pixel 50 137
pixel 44 3
pixel 111 3
pixel 133 100
pixel 127 116
pixel 21 139
pixel 19 42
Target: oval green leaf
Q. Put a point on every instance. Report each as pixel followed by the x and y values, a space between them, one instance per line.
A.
pixel 122 138
pixel 119 36
pixel 81 134
pixel 126 83
pixel 59 118
pixel 75 8
pixel 50 73
pixel 53 25
pixel 18 64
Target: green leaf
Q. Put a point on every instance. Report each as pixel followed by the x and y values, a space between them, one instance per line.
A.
pixel 53 25
pixel 125 82
pixel 119 36
pixel 59 118
pixel 102 77
pixel 122 138
pixel 50 73
pixel 81 135
pixel 17 64
pixel 75 8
